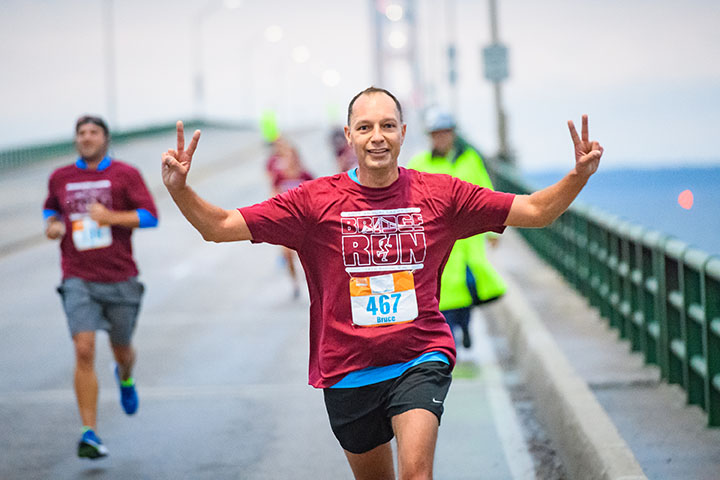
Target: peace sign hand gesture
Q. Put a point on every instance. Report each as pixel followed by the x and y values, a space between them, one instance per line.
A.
pixel 176 163
pixel 587 153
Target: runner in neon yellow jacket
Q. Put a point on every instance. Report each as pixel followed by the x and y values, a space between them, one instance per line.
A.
pixel 469 278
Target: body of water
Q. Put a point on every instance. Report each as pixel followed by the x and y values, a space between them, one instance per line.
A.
pixel 649 197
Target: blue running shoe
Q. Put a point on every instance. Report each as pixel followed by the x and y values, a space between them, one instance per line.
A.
pixel 91 447
pixel 128 394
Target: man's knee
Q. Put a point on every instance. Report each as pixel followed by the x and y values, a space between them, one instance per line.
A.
pixel 85 349
pixel 124 354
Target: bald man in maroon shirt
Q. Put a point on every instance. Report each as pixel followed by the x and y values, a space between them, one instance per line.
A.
pixel 373 242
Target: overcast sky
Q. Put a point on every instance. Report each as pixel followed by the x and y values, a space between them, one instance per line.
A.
pixel 646 71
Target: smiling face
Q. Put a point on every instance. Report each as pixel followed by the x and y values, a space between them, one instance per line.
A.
pixel 376 133
pixel 91 142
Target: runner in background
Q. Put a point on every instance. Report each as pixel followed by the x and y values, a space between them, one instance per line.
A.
pixel 286 171
pixel 469 278
pixel 92 208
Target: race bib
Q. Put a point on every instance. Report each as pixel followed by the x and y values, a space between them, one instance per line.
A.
pixel 88 235
pixel 383 299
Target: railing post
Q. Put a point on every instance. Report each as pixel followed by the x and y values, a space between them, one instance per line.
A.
pixel 634 285
pixel 621 279
pixel 606 263
pixel 597 257
pixel 653 301
pixel 565 247
pixel 711 336
pixel 693 267
pixel 675 312
pixel 582 258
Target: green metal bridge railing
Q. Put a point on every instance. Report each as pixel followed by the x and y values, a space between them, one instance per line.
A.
pixel 662 295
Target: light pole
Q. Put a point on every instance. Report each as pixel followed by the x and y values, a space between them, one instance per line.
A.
pixel 450 31
pixel 377 19
pixel 418 95
pixel 110 92
pixel 396 52
pixel 199 73
pixel 496 70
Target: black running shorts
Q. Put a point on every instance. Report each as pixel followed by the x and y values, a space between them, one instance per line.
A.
pixel 360 417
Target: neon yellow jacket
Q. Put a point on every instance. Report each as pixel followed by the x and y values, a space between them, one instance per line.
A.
pixel 468 255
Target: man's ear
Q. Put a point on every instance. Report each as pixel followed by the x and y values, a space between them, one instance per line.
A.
pixel 347 134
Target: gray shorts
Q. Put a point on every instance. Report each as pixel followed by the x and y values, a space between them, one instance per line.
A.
pixel 113 307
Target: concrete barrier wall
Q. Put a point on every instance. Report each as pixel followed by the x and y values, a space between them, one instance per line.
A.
pixel 588 442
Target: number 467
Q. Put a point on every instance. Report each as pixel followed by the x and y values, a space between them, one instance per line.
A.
pixel 383 304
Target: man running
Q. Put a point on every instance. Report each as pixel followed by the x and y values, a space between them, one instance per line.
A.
pixel 373 242
pixel 92 207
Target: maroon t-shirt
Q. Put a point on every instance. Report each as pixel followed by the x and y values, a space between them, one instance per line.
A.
pixel 342 229
pixel 120 187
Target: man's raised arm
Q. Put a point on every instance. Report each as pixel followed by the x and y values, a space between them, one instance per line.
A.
pixel 541 208
pixel 215 224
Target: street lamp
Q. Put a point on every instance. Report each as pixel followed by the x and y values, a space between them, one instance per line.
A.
pixel 274 33
pixel 331 77
pixel 300 54
pixel 397 39
pixel 199 75
pixel 394 12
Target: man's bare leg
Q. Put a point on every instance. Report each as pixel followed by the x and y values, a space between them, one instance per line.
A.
pixel 86 383
pixel 416 432
pixel 377 464
pixel 125 358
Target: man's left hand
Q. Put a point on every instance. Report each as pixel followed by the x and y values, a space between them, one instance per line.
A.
pixel 100 213
pixel 587 152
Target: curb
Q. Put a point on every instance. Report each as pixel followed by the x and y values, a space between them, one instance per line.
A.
pixel 585 437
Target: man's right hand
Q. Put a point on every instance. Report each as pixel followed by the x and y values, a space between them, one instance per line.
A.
pixel 215 224
pixel 176 163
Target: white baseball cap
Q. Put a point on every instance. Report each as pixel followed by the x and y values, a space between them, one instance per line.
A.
pixel 436 119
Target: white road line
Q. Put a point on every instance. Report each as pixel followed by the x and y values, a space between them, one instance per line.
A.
pixel 508 425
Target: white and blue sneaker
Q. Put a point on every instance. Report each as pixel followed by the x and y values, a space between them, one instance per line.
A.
pixel 91 446
pixel 128 395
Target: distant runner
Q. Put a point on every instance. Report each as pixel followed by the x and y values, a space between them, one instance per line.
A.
pixel 286 172
pixel 92 207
